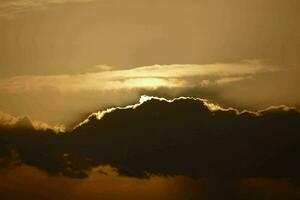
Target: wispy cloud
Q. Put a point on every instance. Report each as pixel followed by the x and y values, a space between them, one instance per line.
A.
pixel 11 8
pixel 147 77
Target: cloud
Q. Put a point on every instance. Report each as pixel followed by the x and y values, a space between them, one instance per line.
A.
pixel 184 136
pixel 11 8
pixel 144 98
pixel 148 77
pixel 250 85
pixel 25 182
pixel 9 121
pixel 96 186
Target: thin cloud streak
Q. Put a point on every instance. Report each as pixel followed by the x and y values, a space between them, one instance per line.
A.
pixel 147 77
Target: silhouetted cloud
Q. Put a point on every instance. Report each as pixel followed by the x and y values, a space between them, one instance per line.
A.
pixel 184 136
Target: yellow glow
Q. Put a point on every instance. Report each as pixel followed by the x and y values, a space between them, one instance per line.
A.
pixel 144 98
pixel 147 83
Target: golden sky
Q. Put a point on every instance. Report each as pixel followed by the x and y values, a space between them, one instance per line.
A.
pixel 69 36
pixel 142 99
pixel 75 56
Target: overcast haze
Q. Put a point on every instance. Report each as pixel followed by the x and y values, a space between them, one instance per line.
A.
pixel 72 36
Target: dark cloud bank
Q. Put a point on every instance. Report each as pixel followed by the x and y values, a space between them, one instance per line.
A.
pixel 180 137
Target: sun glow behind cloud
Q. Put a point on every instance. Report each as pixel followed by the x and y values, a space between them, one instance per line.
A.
pixel 211 106
pixel 45 97
pixel 148 77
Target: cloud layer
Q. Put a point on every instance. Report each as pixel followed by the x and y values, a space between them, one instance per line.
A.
pixel 184 136
pixel 26 182
pixel 148 77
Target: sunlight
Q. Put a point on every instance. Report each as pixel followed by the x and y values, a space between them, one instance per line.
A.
pixel 144 98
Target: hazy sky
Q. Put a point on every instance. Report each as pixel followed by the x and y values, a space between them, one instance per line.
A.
pixel 69 36
pixel 72 73
pixel 53 53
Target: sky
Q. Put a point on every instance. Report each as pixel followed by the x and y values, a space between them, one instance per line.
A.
pixel 76 56
pixel 84 66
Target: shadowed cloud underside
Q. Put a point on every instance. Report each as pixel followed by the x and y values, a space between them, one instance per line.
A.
pixel 183 136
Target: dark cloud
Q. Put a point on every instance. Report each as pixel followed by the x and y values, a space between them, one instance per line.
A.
pixel 186 136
